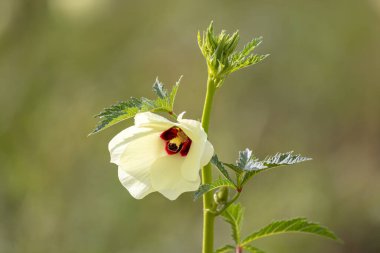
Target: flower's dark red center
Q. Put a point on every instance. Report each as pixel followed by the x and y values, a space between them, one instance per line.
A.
pixel 176 141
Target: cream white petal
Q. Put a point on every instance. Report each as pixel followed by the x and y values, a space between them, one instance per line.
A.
pixel 137 187
pixel 192 163
pixel 199 155
pixel 118 143
pixel 144 165
pixel 186 186
pixel 200 148
pixel 193 129
pixel 180 116
pixel 166 177
pixel 151 120
pixel 141 153
pixel 208 152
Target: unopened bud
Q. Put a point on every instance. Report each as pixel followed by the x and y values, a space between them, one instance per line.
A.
pixel 221 196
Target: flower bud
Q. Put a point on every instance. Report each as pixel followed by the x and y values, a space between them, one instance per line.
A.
pixel 221 196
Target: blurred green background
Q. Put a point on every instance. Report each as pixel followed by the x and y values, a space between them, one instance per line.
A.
pixel 62 61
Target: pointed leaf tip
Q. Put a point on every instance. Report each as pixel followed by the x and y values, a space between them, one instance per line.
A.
pixel 301 225
pixel 159 89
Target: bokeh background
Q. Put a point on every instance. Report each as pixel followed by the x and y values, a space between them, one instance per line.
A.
pixel 62 61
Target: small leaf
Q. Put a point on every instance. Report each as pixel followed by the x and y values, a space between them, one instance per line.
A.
pixel 234 216
pixel 173 92
pixel 225 249
pixel 221 57
pixel 118 112
pixel 128 109
pixel 249 165
pixel 244 161
pixel 215 161
pixel 251 60
pixel 293 225
pixel 283 159
pixel 204 188
pixel 244 177
pixel 159 89
pixel 233 167
pixel 250 46
pixel 252 249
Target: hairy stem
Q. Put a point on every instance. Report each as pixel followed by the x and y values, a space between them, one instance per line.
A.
pixel 208 217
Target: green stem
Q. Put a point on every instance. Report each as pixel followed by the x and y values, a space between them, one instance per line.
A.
pixel 208 217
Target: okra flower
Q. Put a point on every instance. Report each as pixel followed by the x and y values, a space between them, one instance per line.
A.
pixel 159 155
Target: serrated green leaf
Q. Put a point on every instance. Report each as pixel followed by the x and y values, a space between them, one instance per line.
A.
pixel 233 167
pixel 234 216
pixel 161 104
pixel 159 89
pixel 251 60
pixel 249 47
pixel 204 188
pixel 252 249
pixel 118 112
pixel 250 165
pixel 173 92
pixel 128 109
pixel 247 162
pixel 221 58
pixel 215 161
pixel 294 225
pixel 245 159
pixel 244 58
pixel 225 249
pixel 280 159
pixel 244 177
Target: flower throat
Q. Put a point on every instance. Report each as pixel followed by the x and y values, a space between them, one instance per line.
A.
pixel 176 141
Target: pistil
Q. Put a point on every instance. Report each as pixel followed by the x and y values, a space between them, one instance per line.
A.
pixel 176 141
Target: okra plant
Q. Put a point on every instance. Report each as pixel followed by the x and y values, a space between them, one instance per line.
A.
pixel 165 152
